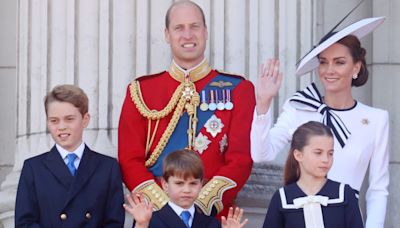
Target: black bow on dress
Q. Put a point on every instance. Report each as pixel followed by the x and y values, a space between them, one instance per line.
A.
pixel 310 99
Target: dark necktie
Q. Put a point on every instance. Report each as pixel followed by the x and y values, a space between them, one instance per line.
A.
pixel 185 215
pixel 71 158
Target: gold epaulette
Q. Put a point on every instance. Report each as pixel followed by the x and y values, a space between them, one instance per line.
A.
pixel 149 75
pixel 211 194
pixel 231 74
pixel 152 193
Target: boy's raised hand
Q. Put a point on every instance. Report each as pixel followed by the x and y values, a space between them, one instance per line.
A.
pixel 140 210
pixel 234 219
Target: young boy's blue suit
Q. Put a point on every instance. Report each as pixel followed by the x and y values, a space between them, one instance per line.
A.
pixel 49 196
pixel 167 218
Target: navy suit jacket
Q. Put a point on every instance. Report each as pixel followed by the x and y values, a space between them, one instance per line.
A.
pixel 49 196
pixel 167 218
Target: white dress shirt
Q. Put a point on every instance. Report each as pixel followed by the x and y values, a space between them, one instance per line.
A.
pixel 79 152
pixel 178 210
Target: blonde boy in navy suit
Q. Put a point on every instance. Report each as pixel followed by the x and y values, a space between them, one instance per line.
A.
pixel 182 181
pixel 71 185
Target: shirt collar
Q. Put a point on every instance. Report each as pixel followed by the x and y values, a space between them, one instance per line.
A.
pixel 195 73
pixel 178 210
pixel 78 151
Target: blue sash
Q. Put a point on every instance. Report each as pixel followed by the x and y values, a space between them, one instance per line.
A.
pixel 179 139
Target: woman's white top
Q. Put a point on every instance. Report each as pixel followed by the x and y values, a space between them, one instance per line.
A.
pixel 367 145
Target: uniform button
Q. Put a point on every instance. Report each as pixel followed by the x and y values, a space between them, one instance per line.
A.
pixel 88 215
pixel 63 216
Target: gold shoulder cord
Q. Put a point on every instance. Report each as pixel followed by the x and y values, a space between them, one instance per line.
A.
pixel 137 98
pixel 184 97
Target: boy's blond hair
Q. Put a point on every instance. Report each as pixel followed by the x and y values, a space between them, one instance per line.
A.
pixel 68 93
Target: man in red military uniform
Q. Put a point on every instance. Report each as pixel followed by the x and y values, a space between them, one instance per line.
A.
pixel 189 106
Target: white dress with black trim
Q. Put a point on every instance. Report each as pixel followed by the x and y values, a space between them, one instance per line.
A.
pixel 366 146
pixel 339 210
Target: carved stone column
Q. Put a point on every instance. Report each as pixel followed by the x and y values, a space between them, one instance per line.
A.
pixel 59 42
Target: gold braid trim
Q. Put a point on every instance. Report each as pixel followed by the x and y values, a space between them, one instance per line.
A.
pixel 184 97
pixel 152 193
pixel 166 135
pixel 149 140
pixel 137 98
pixel 211 194
pixel 191 109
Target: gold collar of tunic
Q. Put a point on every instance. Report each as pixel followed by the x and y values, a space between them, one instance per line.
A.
pixel 195 73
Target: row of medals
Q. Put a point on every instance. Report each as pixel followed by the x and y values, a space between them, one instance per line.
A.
pixel 218 100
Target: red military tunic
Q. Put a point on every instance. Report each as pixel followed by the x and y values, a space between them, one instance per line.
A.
pixel 230 158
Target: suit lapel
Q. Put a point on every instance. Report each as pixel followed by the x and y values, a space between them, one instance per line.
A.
pixel 170 218
pixel 57 167
pixel 199 220
pixel 86 168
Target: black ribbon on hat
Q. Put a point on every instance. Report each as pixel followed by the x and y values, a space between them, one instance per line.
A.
pixel 330 33
pixel 311 100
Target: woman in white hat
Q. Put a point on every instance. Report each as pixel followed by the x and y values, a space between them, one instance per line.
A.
pixel 360 131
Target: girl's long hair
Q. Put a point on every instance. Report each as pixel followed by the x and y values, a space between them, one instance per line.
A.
pixel 301 139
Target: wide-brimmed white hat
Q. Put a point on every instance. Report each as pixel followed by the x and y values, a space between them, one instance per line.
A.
pixel 359 29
